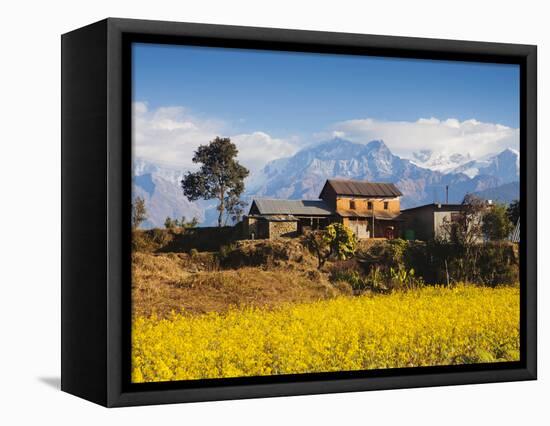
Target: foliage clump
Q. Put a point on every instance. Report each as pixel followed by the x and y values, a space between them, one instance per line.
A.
pixel 496 223
pixel 182 223
pixel 139 212
pixel 335 241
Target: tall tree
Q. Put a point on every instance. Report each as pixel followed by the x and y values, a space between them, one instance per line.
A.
pixel 139 212
pixel 219 176
pixel 466 228
pixel 496 224
pixel 465 231
pixel 513 211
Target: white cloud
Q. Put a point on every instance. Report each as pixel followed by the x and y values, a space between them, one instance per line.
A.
pixel 446 137
pixel 170 135
pixel 257 148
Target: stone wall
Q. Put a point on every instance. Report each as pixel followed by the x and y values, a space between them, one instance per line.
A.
pixel 250 228
pixel 283 229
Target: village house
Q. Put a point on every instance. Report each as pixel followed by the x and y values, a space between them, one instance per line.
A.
pixel 370 210
pixel 426 222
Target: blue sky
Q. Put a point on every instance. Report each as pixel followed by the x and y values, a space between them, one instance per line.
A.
pixel 303 97
pixel 302 92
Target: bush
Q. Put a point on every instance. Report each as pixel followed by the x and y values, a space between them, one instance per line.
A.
pixel 151 239
pixel 439 262
pixel 498 264
pixel 496 223
pixel 226 251
pixel 377 279
pixel 353 278
pixel 387 254
pixel 336 241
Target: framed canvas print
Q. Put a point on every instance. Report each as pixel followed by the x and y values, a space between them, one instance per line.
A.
pixel 253 212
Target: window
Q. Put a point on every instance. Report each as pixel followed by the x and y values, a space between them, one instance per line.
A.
pixel 352 204
pixel 455 217
pixel 386 204
pixel 369 205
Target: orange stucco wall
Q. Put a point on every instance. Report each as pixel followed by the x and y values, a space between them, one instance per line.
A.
pixel 361 205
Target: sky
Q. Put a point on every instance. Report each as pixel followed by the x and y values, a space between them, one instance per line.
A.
pixel 274 103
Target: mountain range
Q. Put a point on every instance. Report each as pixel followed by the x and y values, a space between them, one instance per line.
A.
pixel 422 179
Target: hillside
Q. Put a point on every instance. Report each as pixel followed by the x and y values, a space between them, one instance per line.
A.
pixel 255 274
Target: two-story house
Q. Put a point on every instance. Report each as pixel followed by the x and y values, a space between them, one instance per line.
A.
pixel 369 209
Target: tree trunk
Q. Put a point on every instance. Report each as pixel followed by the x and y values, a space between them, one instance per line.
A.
pixel 222 207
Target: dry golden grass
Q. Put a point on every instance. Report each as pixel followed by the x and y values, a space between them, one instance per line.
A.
pixel 162 283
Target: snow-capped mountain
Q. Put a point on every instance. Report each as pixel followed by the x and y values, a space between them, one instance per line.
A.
pixel 160 188
pixel 304 174
pixel 143 167
pixel 439 162
pixel 504 166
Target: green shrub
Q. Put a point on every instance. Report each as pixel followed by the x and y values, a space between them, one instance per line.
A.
pixel 498 264
pixel 353 278
pixel 151 239
pixel 439 262
pixel 226 251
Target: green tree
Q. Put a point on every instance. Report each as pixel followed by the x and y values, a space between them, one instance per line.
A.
pixel 139 212
pixel 496 223
pixel 466 228
pixel 170 223
pixel 191 224
pixel 219 175
pixel 464 232
pixel 319 243
pixel 336 240
pixel 342 241
pixel 234 208
pixel 513 211
pixel 180 223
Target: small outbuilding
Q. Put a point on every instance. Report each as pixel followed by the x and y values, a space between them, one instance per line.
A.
pixel 285 218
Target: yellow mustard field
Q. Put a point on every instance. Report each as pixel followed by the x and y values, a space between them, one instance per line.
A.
pixel 429 326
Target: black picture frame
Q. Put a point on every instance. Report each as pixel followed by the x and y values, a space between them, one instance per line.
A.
pixel 96 160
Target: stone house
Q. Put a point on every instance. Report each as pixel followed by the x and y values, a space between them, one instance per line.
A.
pixel 285 218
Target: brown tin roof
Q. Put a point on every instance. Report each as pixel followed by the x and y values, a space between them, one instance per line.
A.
pixel 363 188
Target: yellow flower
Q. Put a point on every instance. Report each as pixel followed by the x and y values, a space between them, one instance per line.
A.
pixel 429 326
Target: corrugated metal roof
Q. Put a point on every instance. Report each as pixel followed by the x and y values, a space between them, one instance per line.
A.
pixel 363 188
pixel 292 207
pixel 437 206
pixel 280 218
